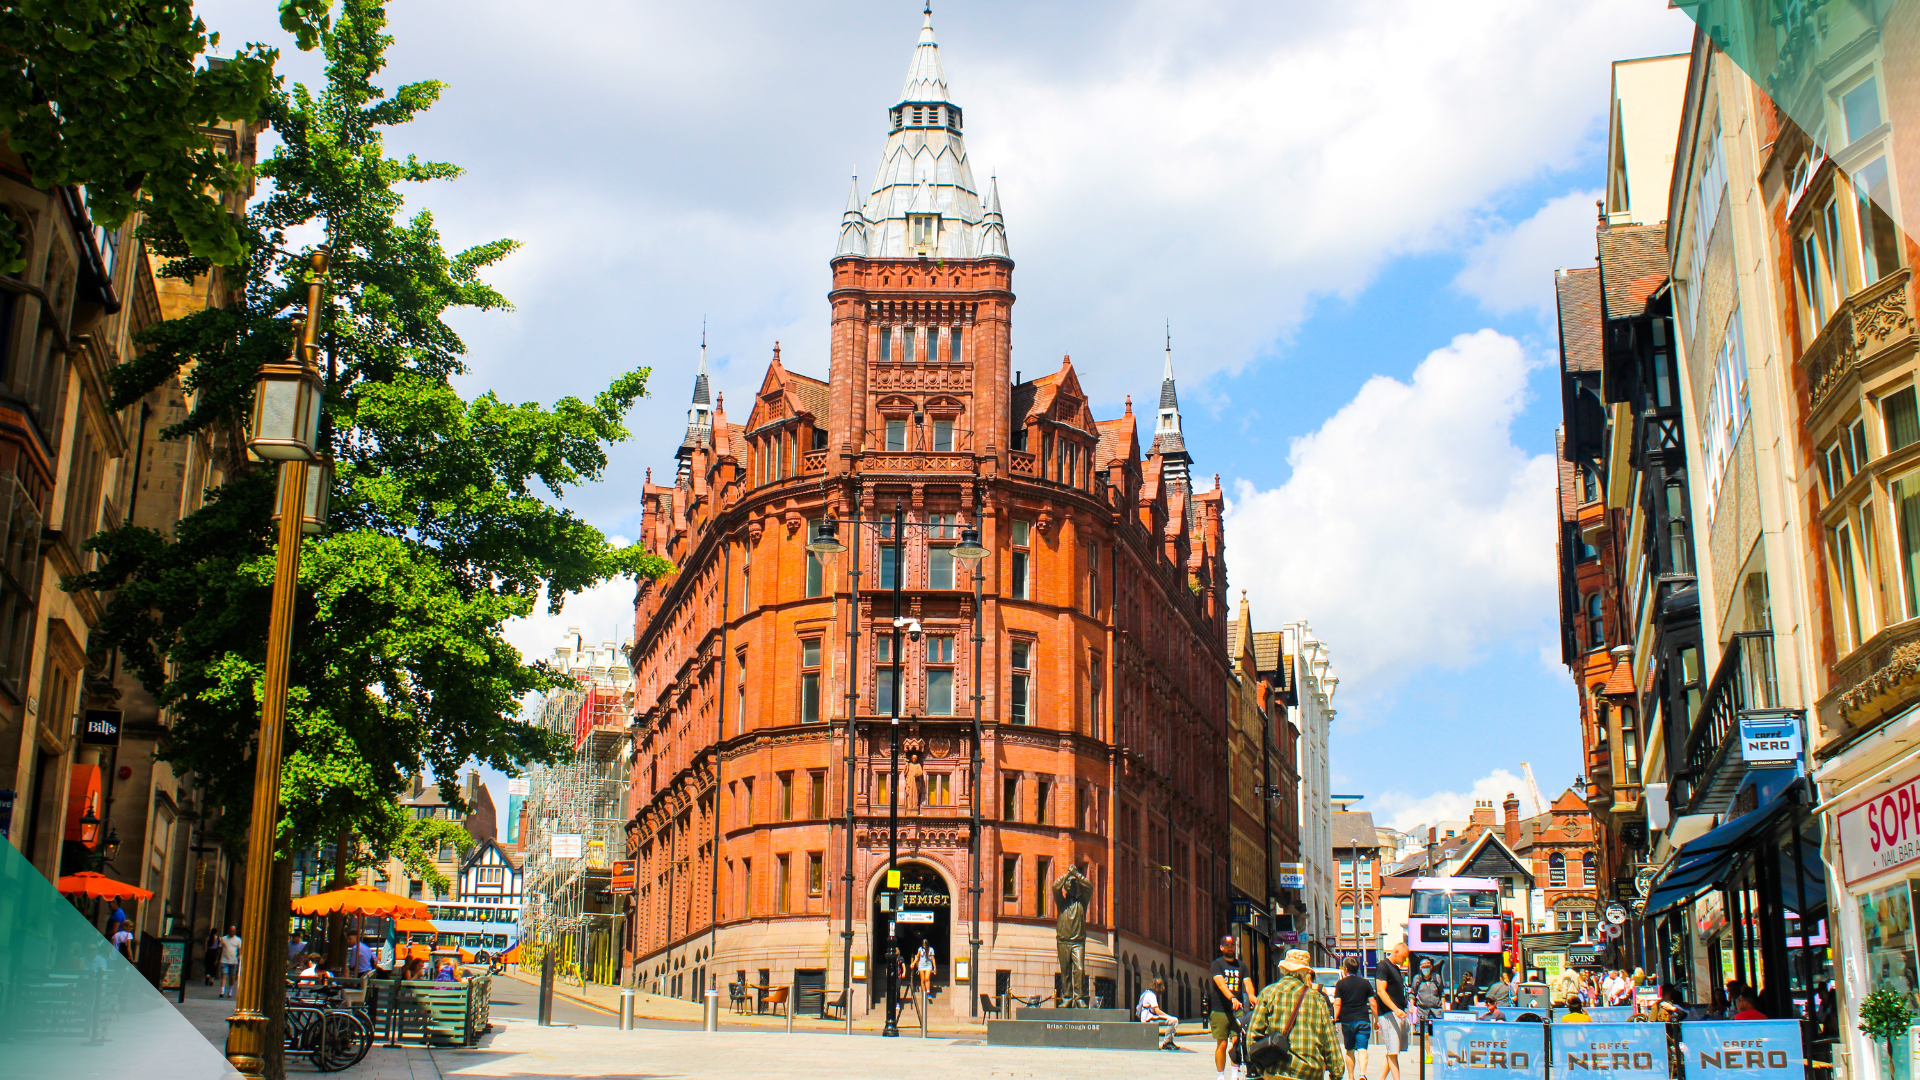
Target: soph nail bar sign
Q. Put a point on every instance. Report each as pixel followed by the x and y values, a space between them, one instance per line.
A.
pixel 1881 832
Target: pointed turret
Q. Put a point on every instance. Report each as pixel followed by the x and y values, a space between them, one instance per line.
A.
pixel 923 201
pixel 993 229
pixel 853 224
pixel 699 414
pixel 1167 438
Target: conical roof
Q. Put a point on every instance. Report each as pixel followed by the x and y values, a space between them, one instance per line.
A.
pixel 926 79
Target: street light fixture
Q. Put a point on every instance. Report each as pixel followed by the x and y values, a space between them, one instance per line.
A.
pixel 826 540
pixel 286 429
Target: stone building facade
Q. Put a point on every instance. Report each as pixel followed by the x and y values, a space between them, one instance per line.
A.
pixel 1264 785
pixel 1101 685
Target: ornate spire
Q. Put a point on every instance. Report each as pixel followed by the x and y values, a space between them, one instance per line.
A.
pixel 699 414
pixel 1168 442
pixel 923 202
pixel 853 225
pixel 993 227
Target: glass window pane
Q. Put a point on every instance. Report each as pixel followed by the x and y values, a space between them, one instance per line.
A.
pixel 1019 575
pixel 1018 706
pixel 943 435
pixel 896 435
pixel 883 693
pixel 1862 108
pixel 1902 419
pixel 940 692
pixel 1906 505
pixel 940 568
pixel 954 351
pixel 886 343
pixel 810 697
pixel 810 653
pixel 1020 533
pixel 1879 237
pixel 1022 650
pixel 815 574
pixel 887 568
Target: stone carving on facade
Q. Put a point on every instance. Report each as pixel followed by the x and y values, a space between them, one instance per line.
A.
pixel 1879 318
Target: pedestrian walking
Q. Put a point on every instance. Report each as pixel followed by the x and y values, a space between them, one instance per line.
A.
pixel 1391 988
pixel 210 955
pixel 1358 1010
pixel 1294 1006
pixel 1232 991
pixel 123 942
pixel 1429 994
pixel 924 962
pixel 229 962
pixel 1148 1011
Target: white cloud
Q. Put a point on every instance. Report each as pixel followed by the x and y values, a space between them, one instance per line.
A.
pixel 1400 811
pixel 603 613
pixel 1222 162
pixel 1412 531
pixel 1512 267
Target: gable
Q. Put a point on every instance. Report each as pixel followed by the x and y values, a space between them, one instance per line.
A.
pixel 1492 859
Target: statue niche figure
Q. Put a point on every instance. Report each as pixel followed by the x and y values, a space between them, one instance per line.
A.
pixel 1070 895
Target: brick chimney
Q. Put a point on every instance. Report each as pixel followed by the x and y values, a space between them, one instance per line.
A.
pixel 1512 823
pixel 1483 812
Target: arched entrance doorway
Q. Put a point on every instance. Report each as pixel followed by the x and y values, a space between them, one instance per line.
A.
pixel 925 915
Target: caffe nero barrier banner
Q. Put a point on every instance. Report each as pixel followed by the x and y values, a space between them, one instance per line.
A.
pixel 1742 1049
pixel 1713 1050
pixel 1490 1051
pixel 1622 1051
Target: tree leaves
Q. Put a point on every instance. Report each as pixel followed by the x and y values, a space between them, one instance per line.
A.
pixel 442 525
pixel 112 95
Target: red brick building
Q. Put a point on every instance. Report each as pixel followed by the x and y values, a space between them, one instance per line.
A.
pixel 1103 680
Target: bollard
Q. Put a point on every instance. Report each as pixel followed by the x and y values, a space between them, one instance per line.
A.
pixel 546 989
pixel 713 1010
pixel 789 1011
pixel 626 1008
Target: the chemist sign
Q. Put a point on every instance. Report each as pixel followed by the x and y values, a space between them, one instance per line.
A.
pixel 1490 1051
pixel 1882 831
pixel 1743 1049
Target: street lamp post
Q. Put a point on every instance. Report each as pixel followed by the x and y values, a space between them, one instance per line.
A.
pixel 285 428
pixel 826 539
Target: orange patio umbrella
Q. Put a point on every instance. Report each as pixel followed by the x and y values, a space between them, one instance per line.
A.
pixel 88 883
pixel 359 900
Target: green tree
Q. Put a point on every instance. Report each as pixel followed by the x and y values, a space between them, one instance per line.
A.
pixel 1885 1016
pixel 112 94
pixel 439 528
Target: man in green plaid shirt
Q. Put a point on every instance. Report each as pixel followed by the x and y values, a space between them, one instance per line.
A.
pixel 1316 1050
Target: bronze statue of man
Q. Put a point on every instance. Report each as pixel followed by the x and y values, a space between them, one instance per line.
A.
pixel 1070 895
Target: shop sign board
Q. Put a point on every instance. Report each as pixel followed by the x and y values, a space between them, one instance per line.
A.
pixel 1742 1049
pixel 1769 740
pixel 1881 832
pixel 1616 913
pixel 621 881
pixel 566 845
pixel 1551 964
pixel 1625 1051
pixel 1292 875
pixel 1491 1051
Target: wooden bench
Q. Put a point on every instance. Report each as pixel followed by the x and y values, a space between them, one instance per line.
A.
pixel 440 1014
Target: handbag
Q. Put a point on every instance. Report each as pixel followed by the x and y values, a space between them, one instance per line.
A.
pixel 1273 1053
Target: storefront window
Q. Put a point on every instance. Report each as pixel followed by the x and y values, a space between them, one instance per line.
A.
pixel 1886 929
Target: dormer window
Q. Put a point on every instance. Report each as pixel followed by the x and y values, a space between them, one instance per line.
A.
pixel 926 228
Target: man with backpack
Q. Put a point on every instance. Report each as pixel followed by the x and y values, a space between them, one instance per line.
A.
pixel 1292 1030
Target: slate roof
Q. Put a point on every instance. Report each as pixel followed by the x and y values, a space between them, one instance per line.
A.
pixel 1633 264
pixel 1354 829
pixel 813 395
pixel 1578 298
pixel 1116 438
pixel 1569 496
pixel 1266 649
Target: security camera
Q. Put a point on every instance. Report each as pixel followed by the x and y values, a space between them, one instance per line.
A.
pixel 911 625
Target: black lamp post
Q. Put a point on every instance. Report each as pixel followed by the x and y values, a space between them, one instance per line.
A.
pixel 826 539
pixel 971 550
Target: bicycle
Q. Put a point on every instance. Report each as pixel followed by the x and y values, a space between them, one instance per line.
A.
pixel 333 1035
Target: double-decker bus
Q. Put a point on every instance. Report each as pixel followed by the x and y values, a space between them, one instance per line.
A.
pixel 1456 922
pixel 461 931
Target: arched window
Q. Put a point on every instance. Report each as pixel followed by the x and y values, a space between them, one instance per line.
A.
pixel 1557 870
pixel 1588 869
pixel 1596 623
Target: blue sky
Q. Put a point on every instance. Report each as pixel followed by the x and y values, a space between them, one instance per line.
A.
pixel 1351 214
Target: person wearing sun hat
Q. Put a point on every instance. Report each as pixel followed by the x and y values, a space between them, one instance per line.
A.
pixel 1293 1003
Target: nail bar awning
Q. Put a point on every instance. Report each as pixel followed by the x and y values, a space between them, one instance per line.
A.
pixel 1708 860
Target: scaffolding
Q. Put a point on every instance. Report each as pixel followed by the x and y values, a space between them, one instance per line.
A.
pixel 576 813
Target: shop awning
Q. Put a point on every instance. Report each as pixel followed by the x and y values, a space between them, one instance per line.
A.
pixel 1706 861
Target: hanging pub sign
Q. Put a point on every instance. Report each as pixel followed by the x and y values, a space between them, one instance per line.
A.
pixel 100 727
pixel 1882 831
pixel 1622 1051
pixel 1292 875
pixel 1742 1049
pixel 1492 1051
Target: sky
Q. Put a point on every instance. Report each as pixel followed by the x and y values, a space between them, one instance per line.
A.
pixel 1349 213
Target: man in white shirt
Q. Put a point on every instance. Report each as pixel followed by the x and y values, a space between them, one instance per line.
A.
pixel 1149 1012
pixel 229 961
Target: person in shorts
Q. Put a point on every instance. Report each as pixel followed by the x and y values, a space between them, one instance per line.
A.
pixel 1232 991
pixel 1358 1006
pixel 1390 988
